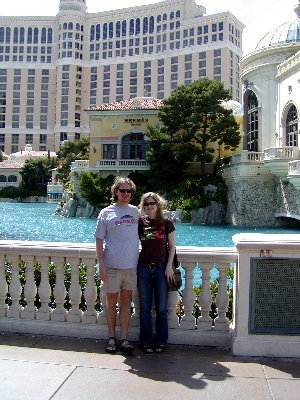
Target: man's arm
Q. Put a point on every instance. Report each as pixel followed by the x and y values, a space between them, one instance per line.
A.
pixel 100 260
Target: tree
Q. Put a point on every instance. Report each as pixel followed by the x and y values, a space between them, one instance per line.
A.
pixel 36 173
pixel 1 156
pixel 68 153
pixel 96 190
pixel 194 118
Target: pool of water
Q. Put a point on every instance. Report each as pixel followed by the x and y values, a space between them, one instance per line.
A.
pixel 31 221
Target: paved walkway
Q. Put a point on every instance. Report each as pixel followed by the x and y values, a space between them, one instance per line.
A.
pixel 46 367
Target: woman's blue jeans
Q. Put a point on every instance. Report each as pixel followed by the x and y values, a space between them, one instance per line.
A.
pixel 153 281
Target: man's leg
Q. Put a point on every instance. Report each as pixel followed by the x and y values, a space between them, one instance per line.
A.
pixel 111 301
pixel 125 311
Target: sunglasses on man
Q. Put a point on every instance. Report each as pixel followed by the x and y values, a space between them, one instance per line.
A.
pixel 126 190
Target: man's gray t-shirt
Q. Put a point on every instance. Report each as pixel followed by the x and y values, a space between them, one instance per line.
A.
pixel 118 226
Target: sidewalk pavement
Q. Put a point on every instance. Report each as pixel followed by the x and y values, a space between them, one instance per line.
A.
pixel 60 368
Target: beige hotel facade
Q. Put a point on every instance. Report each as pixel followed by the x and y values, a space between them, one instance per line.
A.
pixel 54 68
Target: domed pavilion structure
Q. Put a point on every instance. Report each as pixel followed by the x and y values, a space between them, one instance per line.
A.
pixel 268 167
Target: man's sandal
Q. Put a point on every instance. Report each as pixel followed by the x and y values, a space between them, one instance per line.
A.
pixel 111 347
pixel 126 347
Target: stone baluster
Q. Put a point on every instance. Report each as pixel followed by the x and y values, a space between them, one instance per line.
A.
pixel 172 305
pixel 15 288
pixel 44 290
pixel 102 315
pixel 3 287
pixel 135 317
pixel 30 289
pixel 75 314
pixel 205 321
pixel 188 320
pixel 59 313
pixel 222 299
pixel 90 294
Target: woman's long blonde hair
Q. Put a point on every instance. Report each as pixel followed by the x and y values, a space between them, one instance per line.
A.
pixel 161 203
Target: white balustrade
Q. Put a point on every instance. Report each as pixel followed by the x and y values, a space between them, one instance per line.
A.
pixel 61 266
pixel 3 287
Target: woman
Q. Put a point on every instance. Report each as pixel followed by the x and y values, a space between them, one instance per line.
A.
pixel 154 270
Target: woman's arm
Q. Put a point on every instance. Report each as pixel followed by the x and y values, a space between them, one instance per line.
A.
pixel 171 248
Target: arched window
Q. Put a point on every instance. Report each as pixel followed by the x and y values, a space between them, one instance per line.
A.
pixel 65 25
pixel 118 28
pixel 145 25
pixel 92 33
pixel 252 122
pixel 3 178
pixel 124 28
pixel 134 146
pixel 50 35
pixel 36 35
pixel 22 35
pixel 178 14
pixel 70 26
pixel 137 26
pixel 44 36
pixel 111 30
pixel 29 35
pixel 12 178
pixel 16 35
pixel 104 35
pixel 7 38
pixel 131 27
pixel 292 127
pixel 98 32
pixel 151 24
pixel 1 35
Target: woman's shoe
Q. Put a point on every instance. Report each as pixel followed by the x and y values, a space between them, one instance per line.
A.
pixel 126 347
pixel 147 349
pixel 160 348
pixel 111 347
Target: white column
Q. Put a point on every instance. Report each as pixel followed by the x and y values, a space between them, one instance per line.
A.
pixel 30 290
pixel 188 320
pixel 222 299
pixel 59 313
pixel 205 321
pixel 90 294
pixel 172 306
pixel 74 315
pixel 102 315
pixel 15 288
pixel 44 290
pixel 135 318
pixel 3 287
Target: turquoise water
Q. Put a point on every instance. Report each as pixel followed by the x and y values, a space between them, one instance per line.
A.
pixel 31 221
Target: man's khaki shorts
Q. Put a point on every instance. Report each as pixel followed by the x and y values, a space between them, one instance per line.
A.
pixel 118 279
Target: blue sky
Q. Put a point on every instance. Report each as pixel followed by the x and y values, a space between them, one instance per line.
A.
pixel 259 16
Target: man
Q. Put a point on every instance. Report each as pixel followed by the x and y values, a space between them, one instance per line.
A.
pixel 118 226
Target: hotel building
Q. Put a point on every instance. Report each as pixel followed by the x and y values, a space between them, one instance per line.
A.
pixel 53 68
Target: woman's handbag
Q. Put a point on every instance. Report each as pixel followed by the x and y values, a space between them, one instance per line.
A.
pixel 174 285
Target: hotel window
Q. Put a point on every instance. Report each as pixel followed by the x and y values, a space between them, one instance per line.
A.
pixel 29 138
pixel 252 122
pixel 15 138
pixel 292 127
pixel 109 152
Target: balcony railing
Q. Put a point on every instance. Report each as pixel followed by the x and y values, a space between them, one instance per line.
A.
pixel 52 288
pixel 122 164
pixel 281 153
